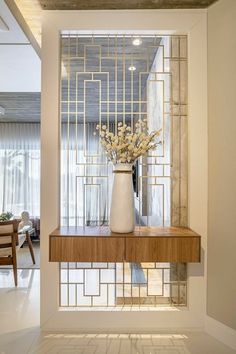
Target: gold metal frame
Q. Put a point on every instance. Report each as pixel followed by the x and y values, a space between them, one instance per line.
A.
pixel 123 97
pixel 122 290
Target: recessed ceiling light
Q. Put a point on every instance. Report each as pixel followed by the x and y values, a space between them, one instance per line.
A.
pixel 132 68
pixel 137 41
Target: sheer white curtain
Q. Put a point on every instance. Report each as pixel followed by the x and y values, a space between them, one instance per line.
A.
pixel 20 168
pixel 85 176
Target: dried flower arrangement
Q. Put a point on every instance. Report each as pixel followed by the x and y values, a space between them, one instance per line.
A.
pixel 127 146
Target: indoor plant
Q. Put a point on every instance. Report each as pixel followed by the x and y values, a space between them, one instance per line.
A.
pixel 6 216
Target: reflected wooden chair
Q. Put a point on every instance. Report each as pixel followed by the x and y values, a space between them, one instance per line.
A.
pixel 10 242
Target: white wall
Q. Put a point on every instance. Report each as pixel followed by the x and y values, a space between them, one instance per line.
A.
pixel 19 69
pixel 221 285
pixel 13 32
pixel 192 23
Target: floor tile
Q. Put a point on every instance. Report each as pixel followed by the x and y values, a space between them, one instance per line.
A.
pixel 20 332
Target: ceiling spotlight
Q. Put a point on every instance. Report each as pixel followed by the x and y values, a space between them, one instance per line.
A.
pixel 132 68
pixel 137 41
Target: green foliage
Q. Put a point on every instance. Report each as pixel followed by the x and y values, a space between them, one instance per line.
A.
pixel 6 216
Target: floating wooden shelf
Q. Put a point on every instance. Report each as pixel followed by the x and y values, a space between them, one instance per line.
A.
pixel 145 244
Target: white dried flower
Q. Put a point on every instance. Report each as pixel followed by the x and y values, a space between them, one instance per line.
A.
pixel 127 146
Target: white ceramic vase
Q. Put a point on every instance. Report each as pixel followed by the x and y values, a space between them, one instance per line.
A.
pixel 122 203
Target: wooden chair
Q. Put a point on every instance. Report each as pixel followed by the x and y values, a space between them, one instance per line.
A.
pixel 10 243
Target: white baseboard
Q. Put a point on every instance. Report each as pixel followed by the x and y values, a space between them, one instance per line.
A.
pixel 221 332
pixel 123 321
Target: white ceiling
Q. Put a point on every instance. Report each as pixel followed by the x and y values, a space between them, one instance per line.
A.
pixel 20 66
pixel 3 26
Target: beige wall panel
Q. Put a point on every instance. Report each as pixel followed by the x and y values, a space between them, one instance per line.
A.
pixel 221 287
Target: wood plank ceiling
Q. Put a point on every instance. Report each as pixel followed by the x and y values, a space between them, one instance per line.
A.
pixel 20 107
pixel 123 4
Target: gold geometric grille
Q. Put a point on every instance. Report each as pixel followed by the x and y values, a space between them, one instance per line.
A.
pixel 119 284
pixel 99 87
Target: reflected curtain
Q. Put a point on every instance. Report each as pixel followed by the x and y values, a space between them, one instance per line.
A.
pixel 85 177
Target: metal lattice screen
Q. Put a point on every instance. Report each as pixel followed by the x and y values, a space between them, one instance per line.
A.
pixel 120 284
pixel 109 79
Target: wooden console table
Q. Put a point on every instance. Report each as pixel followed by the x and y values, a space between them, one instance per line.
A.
pixel 145 244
